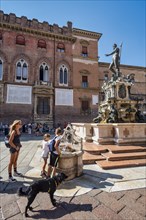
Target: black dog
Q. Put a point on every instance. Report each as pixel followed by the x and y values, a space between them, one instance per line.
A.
pixel 46 185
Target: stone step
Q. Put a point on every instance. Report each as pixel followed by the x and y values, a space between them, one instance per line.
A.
pixel 94 148
pixel 90 158
pixel 98 149
pixel 125 149
pixel 121 164
pixel 124 156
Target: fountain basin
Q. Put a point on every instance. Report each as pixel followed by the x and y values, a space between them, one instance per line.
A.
pixel 71 164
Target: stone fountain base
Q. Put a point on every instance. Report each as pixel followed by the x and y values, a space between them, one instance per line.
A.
pixel 71 164
pixel 112 133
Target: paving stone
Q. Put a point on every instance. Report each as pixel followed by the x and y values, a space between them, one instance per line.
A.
pixel 43 199
pixel 137 207
pixel 66 217
pixel 10 210
pixel 118 195
pixel 88 201
pixel 142 200
pixel 17 217
pixel 110 202
pixel 22 201
pixel 7 199
pixel 95 192
pixel 133 195
pixel 104 213
pixel 37 213
pixel 129 214
pixel 70 207
pixel 82 215
pixel 56 213
pixel 76 215
pixel 141 191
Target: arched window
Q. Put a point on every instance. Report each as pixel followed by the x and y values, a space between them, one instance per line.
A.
pixel 42 43
pixel 20 40
pixel 44 72
pixel 21 70
pixel 63 75
pixel 1 69
pixel 60 47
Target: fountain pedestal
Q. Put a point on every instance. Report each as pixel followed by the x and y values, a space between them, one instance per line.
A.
pixel 71 162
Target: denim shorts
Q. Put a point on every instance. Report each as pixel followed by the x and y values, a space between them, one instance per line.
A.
pixel 12 150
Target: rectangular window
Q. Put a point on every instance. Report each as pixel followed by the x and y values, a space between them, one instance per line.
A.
pixel 84 81
pixel 84 51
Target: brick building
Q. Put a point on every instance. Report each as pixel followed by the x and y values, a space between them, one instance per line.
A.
pixel 50 73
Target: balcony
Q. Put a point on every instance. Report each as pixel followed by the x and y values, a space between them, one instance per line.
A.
pixel 43 83
pixel 42 87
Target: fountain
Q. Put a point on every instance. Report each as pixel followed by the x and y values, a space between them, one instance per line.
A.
pixel 119 119
pixel 70 161
pixel 119 106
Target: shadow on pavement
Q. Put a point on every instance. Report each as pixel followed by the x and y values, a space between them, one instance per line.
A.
pixel 11 187
pixel 102 175
pixel 60 211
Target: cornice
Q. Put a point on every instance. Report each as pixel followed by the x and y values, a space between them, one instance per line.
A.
pixel 49 35
pixel 85 58
pixel 86 33
pixel 88 90
pixel 104 64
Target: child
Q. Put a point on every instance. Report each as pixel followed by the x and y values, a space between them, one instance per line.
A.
pixel 45 153
pixel 54 156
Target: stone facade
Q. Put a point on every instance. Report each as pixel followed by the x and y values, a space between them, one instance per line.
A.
pixel 49 73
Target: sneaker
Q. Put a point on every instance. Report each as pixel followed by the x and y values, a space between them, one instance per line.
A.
pixel 11 179
pixel 17 173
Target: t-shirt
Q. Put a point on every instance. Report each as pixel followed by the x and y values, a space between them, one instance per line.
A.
pixel 45 147
pixel 57 139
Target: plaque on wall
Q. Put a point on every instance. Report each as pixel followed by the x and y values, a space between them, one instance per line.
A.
pixel 122 91
pixel 19 94
pixel 64 97
pixel 94 99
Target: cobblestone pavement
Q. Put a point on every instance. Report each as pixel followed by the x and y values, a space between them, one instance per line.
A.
pixel 93 205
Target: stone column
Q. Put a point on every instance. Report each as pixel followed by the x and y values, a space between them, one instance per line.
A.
pixel 35 104
pixel 51 106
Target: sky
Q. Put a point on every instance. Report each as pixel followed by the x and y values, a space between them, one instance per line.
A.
pixel 122 21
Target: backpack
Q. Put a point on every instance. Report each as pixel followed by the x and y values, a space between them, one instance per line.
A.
pixel 52 144
pixel 6 140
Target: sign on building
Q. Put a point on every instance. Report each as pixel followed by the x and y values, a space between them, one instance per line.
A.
pixel 94 99
pixel 19 94
pixel 64 97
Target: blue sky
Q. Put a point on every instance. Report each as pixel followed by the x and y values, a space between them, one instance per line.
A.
pixel 118 21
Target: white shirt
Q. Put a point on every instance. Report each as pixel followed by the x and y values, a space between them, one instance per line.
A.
pixel 45 151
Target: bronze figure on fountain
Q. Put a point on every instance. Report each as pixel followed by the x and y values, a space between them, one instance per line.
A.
pixel 115 64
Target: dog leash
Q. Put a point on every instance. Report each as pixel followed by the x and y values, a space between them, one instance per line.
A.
pixel 74 195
